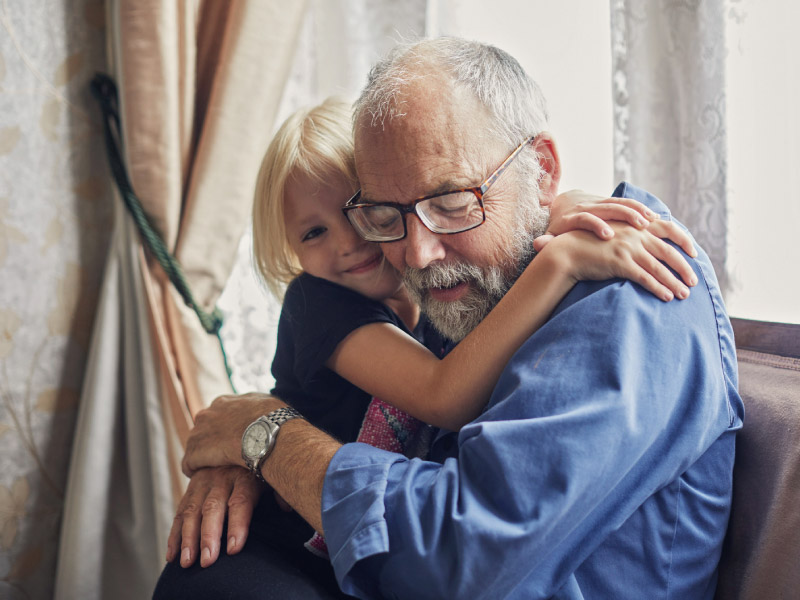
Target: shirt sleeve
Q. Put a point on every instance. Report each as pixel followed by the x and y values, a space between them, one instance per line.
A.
pixel 318 315
pixel 611 399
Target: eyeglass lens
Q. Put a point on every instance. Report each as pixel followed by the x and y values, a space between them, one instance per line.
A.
pixel 450 213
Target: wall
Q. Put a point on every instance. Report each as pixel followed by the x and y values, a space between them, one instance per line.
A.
pixel 763 75
pixel 565 47
pixel 55 215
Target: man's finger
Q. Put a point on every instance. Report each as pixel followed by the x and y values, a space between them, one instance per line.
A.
pixel 190 532
pixel 195 489
pixel 174 539
pixel 242 502
pixel 213 511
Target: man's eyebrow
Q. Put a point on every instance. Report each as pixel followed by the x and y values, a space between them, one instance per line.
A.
pixel 448 186
pixel 444 187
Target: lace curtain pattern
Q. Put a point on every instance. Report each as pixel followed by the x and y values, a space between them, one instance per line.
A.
pixel 669 110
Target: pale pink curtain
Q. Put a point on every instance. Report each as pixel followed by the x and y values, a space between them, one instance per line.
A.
pixel 200 84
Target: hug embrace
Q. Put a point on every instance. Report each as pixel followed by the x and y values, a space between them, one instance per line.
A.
pixel 484 389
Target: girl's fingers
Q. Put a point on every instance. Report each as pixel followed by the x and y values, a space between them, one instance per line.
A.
pixel 616 211
pixel 672 231
pixel 651 284
pixel 674 259
pixel 540 242
pixel 663 276
pixel 592 217
pixel 635 205
pixel 586 221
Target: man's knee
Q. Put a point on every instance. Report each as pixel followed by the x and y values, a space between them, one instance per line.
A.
pixel 259 571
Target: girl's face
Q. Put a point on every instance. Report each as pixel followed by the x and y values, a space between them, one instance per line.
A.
pixel 325 243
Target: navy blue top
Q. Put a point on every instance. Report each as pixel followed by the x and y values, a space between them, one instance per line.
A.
pixel 601 467
pixel 316 316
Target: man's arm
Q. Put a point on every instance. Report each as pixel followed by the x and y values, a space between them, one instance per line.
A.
pixel 296 467
pixel 606 405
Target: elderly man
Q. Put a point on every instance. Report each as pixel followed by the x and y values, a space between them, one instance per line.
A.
pixel 601 467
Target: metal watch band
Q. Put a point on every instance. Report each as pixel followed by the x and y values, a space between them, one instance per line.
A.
pixel 281 415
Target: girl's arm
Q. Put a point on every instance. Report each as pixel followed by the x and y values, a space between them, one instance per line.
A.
pixel 386 362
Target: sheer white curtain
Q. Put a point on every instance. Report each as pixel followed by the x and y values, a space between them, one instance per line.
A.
pixel 670 133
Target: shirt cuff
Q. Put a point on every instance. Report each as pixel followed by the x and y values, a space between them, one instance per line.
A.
pixel 353 510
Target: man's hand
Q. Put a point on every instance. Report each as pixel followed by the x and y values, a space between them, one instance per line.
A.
pixel 216 439
pixel 295 469
pixel 201 513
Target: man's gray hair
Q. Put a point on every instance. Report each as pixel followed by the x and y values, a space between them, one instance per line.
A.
pixel 514 100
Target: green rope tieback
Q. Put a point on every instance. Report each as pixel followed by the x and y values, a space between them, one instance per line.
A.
pixel 105 92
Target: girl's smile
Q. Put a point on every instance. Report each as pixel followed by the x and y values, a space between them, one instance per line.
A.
pixel 325 243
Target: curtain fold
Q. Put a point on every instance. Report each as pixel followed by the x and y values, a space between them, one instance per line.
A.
pixel 669 111
pixel 200 82
pixel 107 520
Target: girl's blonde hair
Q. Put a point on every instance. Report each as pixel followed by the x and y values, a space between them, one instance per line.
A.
pixel 315 142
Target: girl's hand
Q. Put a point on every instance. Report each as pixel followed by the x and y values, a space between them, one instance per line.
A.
pixel 575 209
pixel 668 230
pixel 631 253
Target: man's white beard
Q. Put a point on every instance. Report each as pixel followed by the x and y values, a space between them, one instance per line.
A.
pixel 487 285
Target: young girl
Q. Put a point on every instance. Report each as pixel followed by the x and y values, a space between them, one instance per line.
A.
pixel 348 330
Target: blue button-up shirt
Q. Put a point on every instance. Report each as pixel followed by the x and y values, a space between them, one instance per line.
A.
pixel 601 467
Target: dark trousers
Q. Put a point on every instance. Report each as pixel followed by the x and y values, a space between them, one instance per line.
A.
pixel 272 565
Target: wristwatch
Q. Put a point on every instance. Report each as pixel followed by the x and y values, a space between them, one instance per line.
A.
pixel 259 437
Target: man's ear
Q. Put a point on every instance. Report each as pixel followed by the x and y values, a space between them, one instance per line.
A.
pixel 547 152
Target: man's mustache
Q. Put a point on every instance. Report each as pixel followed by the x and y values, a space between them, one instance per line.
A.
pixel 441 275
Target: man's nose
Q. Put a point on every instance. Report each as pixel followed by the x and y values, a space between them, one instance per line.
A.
pixel 422 245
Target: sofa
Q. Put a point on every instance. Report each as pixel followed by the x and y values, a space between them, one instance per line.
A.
pixel 761 554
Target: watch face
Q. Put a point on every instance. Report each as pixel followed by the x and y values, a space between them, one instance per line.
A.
pixel 255 439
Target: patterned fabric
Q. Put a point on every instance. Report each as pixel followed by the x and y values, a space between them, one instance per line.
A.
pixel 55 225
pixel 670 130
pixel 389 428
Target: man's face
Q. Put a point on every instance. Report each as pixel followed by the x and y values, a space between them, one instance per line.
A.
pixel 444 143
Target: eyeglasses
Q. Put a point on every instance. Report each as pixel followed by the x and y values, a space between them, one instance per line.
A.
pixel 446 212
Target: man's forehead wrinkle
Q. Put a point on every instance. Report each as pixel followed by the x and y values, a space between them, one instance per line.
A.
pixel 408 163
pixel 441 144
pixel 420 175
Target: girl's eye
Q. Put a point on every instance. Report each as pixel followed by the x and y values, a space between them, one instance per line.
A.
pixel 312 233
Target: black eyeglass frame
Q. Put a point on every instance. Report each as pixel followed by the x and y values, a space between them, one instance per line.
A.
pixel 404 209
